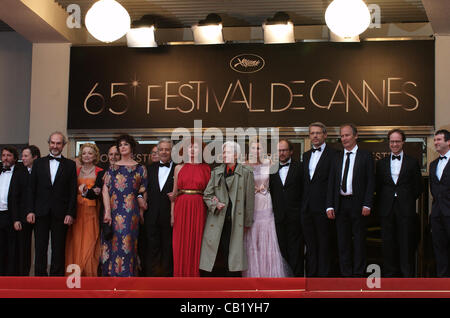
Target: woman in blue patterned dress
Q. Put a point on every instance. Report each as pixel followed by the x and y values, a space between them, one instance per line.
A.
pixel 124 181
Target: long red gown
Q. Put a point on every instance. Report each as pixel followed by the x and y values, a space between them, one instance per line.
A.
pixel 189 220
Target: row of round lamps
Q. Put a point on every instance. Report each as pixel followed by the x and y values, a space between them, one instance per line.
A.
pixel 108 21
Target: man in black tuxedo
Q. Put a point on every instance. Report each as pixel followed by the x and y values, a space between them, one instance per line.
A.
pixel 315 223
pixel 286 191
pixel 52 205
pixel 159 258
pixel 440 210
pixel 349 200
pixel 24 229
pixel 12 194
pixel 398 186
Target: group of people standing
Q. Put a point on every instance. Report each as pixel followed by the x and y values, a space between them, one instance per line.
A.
pixel 240 219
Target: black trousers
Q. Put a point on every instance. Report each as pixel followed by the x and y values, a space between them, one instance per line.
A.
pixel 295 245
pixel 7 245
pixel 440 231
pixel 23 249
pixel 316 230
pixel 220 268
pixel 159 258
pixel 351 232
pixel 46 228
pixel 399 243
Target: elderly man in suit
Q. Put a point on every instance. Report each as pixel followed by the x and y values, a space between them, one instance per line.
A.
pixel 398 186
pixel 12 194
pixel 349 200
pixel 159 258
pixel 440 211
pixel 52 205
pixel 229 197
pixel 315 223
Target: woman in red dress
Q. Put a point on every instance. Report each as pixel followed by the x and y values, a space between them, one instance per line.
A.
pixel 188 212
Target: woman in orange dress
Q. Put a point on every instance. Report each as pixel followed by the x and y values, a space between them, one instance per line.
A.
pixel 83 237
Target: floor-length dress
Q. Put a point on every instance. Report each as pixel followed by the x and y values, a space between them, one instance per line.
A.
pixel 119 255
pixel 263 252
pixel 189 219
pixel 83 236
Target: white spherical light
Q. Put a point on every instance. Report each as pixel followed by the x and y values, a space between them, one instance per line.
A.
pixel 347 18
pixel 107 20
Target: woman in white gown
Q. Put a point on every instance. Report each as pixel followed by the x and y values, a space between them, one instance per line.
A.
pixel 263 252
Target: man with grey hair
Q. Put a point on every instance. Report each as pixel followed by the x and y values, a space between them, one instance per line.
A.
pixel 315 223
pixel 52 205
pixel 229 197
pixel 159 255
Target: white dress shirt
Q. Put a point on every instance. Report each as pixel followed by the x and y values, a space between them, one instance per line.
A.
pixel 396 166
pixel 441 165
pixel 163 174
pixel 283 172
pixel 54 165
pixel 5 181
pixel 314 160
pixel 350 170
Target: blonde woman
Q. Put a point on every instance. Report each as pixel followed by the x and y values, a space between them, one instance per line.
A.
pixel 83 237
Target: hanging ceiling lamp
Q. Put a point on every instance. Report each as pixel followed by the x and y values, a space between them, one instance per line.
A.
pixel 347 18
pixel 107 20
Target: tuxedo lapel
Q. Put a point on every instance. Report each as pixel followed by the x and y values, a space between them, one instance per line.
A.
pixel 291 168
pixel 445 172
pixel 47 169
pixel 322 158
pixel 307 157
pixel 339 166
pixel 60 170
pixel 403 168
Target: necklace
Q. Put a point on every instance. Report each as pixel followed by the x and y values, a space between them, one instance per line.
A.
pixel 88 172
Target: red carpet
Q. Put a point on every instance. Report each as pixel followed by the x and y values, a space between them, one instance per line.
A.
pixel 38 287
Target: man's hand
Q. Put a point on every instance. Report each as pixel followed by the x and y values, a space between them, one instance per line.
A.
pixel 365 211
pixel 18 226
pixel 31 218
pixel 68 220
pixel 330 214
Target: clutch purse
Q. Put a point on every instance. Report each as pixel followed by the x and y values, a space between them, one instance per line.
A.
pixel 107 231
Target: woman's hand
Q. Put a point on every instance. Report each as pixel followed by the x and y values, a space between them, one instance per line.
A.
pixel 107 217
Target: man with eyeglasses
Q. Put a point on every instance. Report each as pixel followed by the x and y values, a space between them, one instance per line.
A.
pixel 440 210
pixel 286 191
pixel 398 186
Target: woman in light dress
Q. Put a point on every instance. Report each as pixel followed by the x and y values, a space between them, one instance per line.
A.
pixel 263 252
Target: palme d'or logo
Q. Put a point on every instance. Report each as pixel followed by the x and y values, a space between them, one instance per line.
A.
pixel 247 63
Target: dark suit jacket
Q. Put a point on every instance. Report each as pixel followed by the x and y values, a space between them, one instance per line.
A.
pixel 440 190
pixel 158 201
pixel 17 193
pixel 363 182
pixel 59 198
pixel 286 200
pixel 408 187
pixel 315 190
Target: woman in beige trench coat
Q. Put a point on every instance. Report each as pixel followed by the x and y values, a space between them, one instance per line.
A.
pixel 229 197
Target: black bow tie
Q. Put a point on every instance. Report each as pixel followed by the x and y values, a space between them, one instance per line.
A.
pixel 6 169
pixel 396 157
pixel 284 165
pixel 54 158
pixel 167 164
pixel 443 157
pixel 316 149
